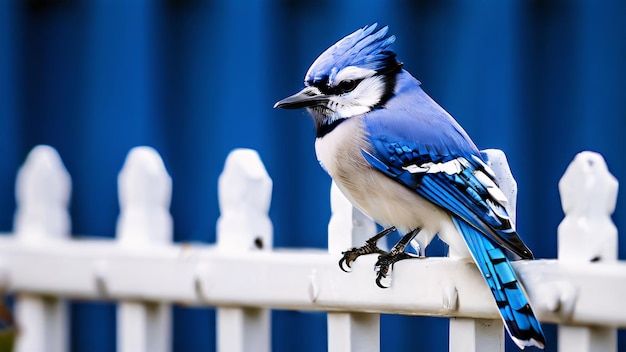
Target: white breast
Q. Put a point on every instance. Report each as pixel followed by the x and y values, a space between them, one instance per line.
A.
pixel 381 198
pixel 338 142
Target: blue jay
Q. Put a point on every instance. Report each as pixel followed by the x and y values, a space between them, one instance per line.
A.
pixel 402 160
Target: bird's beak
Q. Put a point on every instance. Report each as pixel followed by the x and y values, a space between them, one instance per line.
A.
pixel 307 97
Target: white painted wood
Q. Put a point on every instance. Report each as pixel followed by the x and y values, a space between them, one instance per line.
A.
pixel 145 271
pixel 348 227
pixel 283 279
pixel 588 195
pixel 243 329
pixel 476 335
pixel 586 338
pixel 43 323
pixel 141 324
pixel 353 332
pixel 486 334
pixel 497 161
pixel 586 234
pixel 245 194
pixel 42 190
pixel 42 193
pixel 145 191
pixel 244 227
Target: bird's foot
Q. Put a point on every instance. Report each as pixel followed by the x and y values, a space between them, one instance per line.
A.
pixel 350 255
pixel 385 263
pixel 386 260
pixel 370 247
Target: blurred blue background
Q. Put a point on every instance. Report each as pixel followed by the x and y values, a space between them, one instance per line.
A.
pixel 541 80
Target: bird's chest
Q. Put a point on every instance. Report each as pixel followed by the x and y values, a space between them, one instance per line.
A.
pixel 339 153
pixel 378 196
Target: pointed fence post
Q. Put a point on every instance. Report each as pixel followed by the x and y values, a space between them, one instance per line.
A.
pixel 587 235
pixel 145 190
pixel 475 335
pixel 348 227
pixel 245 192
pixel 42 191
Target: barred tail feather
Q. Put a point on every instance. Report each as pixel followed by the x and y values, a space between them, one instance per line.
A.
pixel 519 318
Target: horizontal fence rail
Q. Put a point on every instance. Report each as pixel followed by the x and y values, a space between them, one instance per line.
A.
pixel 306 280
pixel 244 276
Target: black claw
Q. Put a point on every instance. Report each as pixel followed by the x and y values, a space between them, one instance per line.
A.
pixel 351 255
pixel 370 247
pixel 382 273
pixel 382 268
pixel 341 262
pixel 385 263
pixel 348 257
pixel 378 278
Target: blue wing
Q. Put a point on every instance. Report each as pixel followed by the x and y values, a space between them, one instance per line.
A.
pixel 410 148
pixel 423 148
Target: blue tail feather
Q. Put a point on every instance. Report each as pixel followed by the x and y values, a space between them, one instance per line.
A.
pixel 515 310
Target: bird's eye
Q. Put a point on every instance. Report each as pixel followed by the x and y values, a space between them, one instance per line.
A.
pixel 347 86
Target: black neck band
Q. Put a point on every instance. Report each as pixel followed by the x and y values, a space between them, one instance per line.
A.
pixel 324 129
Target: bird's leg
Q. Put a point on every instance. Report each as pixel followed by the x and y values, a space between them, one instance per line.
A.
pixel 387 260
pixel 370 247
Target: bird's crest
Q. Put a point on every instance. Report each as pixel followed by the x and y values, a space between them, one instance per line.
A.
pixel 365 48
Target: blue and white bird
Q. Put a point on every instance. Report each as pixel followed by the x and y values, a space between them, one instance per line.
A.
pixel 402 160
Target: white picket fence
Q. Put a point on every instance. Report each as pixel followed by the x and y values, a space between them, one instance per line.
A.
pixel 584 290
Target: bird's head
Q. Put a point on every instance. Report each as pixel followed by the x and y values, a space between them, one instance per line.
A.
pixel 352 77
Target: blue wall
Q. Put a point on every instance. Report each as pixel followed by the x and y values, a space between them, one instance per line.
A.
pixel 541 80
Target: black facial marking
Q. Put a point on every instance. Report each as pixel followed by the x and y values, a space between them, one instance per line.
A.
pixel 389 73
pixel 325 128
pixel 342 88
